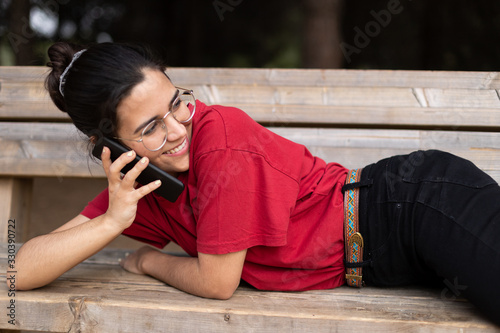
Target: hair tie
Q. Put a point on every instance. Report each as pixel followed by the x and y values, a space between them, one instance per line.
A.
pixel 62 78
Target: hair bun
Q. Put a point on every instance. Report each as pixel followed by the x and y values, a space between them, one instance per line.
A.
pixel 60 55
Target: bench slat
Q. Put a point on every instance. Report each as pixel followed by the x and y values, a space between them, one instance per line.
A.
pixel 15 204
pixel 333 97
pixel 57 149
pixel 348 96
pixel 105 298
pixel 299 77
pixel 412 117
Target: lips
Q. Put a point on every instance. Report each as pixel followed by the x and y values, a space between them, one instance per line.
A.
pixel 178 148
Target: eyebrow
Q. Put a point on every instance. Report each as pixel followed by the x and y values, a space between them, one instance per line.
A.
pixel 144 124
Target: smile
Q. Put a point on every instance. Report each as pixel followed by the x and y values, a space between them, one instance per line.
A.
pixel 178 148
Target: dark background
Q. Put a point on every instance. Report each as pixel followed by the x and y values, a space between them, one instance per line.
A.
pixel 418 34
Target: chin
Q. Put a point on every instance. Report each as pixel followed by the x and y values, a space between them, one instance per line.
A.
pixel 174 169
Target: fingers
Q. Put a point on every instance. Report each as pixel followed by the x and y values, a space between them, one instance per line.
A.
pixel 145 190
pixel 113 172
pixel 114 168
pixel 121 261
pixel 131 176
pixel 106 160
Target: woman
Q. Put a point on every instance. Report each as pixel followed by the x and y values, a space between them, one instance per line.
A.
pixel 256 206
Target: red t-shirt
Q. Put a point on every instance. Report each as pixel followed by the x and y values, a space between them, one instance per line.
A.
pixel 248 188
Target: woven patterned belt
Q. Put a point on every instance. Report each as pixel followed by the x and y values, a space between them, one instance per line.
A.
pixel 352 238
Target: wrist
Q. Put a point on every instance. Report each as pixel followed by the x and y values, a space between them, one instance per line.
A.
pixel 111 225
pixel 148 258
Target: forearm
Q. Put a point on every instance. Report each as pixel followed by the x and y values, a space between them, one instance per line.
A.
pixel 189 275
pixel 44 258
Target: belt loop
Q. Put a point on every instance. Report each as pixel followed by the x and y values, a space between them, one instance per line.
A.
pixel 353 239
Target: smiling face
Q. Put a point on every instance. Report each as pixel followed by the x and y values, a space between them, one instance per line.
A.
pixel 150 100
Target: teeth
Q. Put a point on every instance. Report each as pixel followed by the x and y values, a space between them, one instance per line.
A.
pixel 178 148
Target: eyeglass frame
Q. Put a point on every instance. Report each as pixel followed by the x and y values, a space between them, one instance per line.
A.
pixel 164 126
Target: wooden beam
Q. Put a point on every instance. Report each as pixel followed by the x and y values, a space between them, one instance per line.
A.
pixel 102 297
pixel 298 77
pixel 15 208
pixel 56 150
pixel 288 96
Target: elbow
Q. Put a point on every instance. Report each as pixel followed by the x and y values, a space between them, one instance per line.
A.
pixel 223 294
pixel 20 281
pixel 223 291
pixel 13 283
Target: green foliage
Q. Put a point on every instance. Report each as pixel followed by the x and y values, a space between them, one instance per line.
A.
pixel 449 35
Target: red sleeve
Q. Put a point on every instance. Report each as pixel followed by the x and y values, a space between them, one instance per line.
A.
pixel 241 202
pixel 98 206
pixel 144 228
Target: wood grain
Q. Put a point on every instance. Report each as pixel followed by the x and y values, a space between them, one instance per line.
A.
pixel 15 204
pixel 57 150
pixel 294 96
pixel 353 117
pixel 104 298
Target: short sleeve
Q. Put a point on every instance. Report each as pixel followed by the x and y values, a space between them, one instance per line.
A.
pixel 98 206
pixel 241 202
pixel 144 228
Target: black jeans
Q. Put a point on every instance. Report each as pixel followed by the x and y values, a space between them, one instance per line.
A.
pixel 433 217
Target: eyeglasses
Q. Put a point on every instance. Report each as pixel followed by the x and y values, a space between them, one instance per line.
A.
pixel 154 135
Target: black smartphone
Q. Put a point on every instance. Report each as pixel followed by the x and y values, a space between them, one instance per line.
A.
pixel 170 188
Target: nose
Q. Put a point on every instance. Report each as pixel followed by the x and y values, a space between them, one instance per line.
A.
pixel 175 130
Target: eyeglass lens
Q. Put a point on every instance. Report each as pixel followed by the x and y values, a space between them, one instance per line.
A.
pixel 154 134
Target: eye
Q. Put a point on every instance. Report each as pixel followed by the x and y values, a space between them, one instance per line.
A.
pixel 150 129
pixel 176 105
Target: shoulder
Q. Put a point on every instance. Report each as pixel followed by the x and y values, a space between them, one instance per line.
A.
pixel 220 117
pixel 230 132
pixel 218 127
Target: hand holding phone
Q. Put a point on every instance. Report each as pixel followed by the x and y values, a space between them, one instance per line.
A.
pixel 170 188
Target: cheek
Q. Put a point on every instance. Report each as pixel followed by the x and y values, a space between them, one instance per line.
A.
pixel 189 130
pixel 140 150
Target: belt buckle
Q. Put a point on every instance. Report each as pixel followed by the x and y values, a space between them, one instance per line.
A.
pixel 355 239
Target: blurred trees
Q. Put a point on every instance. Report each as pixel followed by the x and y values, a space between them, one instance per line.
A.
pixel 426 34
pixel 21 35
pixel 322 34
pixel 419 34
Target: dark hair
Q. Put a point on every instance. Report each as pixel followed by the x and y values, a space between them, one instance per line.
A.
pixel 97 81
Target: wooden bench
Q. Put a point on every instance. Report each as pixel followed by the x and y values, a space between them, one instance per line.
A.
pixel 351 117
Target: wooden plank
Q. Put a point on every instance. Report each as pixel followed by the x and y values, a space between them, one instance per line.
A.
pixel 45 149
pixel 461 98
pixel 356 148
pixel 15 208
pixel 311 96
pixel 348 96
pixel 42 109
pixel 336 77
pixel 55 149
pixel 330 97
pixel 288 115
pixel 299 77
pixel 411 117
pixel 105 298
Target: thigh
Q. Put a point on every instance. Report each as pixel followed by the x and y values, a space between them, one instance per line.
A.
pixel 407 214
pixel 431 216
